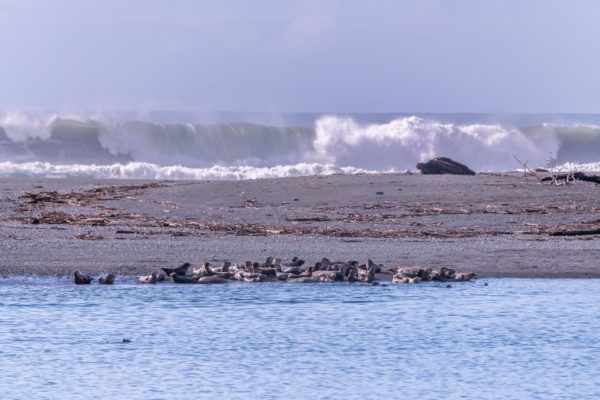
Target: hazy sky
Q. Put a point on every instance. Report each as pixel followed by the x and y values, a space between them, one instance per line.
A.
pixel 276 55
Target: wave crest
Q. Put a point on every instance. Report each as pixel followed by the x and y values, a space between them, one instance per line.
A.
pixel 403 142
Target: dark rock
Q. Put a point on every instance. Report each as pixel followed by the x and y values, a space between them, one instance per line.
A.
pixel 444 165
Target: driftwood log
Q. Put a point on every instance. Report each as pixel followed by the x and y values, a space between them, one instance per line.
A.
pixel 444 165
pixel 580 176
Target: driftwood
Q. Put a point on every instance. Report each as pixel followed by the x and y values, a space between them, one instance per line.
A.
pixel 575 232
pixel 555 177
pixel 580 176
pixel 444 165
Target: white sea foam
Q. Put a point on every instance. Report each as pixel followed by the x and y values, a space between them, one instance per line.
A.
pixel 139 170
pixel 403 142
pixel 575 167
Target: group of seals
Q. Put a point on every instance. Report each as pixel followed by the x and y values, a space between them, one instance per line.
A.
pixel 272 270
pixel 296 271
pixel 85 279
pixel 416 275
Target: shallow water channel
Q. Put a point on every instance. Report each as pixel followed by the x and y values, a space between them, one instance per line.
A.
pixel 511 339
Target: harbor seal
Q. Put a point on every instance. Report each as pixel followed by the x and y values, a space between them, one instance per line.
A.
pixel 81 278
pixel 211 279
pixel 108 279
pixel 154 277
pixel 181 270
pixel 203 270
pixel 182 278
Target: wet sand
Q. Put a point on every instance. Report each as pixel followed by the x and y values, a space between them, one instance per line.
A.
pixel 495 225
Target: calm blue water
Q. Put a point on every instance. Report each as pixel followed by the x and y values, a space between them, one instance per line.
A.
pixel 513 339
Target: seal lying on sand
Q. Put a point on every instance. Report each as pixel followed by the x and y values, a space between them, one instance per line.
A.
pixel 107 279
pixel 211 279
pixel 81 278
pixel 152 278
pixel 196 280
pixel 304 279
pixel 202 271
pixel 181 270
pixel 182 278
pixel 296 262
pixel 416 275
pixel 399 279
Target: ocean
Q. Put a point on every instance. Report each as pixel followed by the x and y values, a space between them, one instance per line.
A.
pixel 512 339
pixel 231 146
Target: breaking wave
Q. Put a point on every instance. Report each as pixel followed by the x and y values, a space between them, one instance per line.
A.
pixel 140 170
pixel 100 147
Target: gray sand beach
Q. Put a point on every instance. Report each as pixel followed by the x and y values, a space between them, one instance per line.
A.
pixel 496 225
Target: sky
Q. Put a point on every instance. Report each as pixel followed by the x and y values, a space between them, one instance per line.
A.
pixel 491 56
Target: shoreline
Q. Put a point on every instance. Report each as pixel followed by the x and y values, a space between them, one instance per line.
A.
pixel 496 225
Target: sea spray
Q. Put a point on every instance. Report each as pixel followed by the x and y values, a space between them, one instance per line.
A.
pixel 20 127
pixel 402 142
pixel 112 147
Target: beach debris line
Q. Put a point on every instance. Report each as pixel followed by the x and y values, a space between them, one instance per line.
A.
pixel 87 197
pixel 88 236
pixel 396 220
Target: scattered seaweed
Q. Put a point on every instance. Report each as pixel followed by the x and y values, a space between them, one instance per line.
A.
pixel 84 198
pixel 37 208
pixel 88 236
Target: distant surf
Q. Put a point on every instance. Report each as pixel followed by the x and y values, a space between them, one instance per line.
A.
pixel 56 145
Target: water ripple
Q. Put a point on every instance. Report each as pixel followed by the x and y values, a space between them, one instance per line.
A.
pixel 511 339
